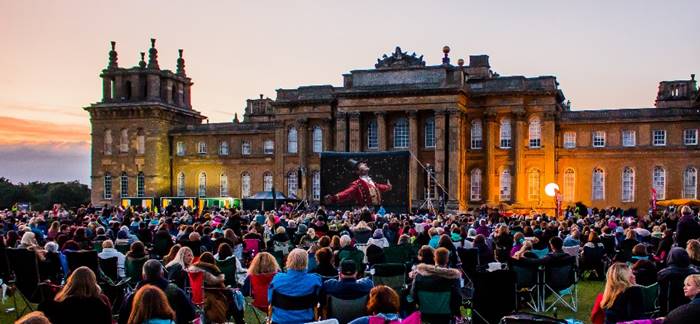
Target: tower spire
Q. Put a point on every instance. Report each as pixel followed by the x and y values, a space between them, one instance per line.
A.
pixel 153 56
pixel 113 57
pixel 180 63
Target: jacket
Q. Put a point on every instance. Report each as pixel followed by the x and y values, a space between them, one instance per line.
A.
pixel 685 314
pixel 76 310
pixel 671 279
pixel 687 228
pixel 293 283
pixel 433 278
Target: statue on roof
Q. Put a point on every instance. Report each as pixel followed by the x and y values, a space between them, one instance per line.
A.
pixel 399 59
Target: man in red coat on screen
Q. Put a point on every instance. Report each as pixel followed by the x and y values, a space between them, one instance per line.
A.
pixel 363 191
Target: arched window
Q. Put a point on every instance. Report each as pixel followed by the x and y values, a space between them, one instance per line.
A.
pixel 475 185
pixel 372 137
pixel 429 132
pixel 533 185
pixel 317 135
pixel 202 185
pixel 476 134
pixel 535 131
pixel 124 141
pixel 267 181
pixel 223 185
pixel 569 185
pixel 245 185
pixel 108 186
pixel 316 185
pixel 658 180
pixel 506 141
pixel 123 185
pixel 292 183
pixel 181 184
pixel 292 140
pixel 223 148
pixel 690 183
pixel 598 190
pixel 269 147
pixel 245 148
pixel 140 185
pixel 140 141
pixel 628 184
pixel 108 142
pixel 401 133
pixel 505 183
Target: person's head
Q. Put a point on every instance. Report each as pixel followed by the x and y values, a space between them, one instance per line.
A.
pixel 107 244
pixel 348 269
pixel 173 252
pixel 519 238
pixel 194 236
pixel 362 169
pixel 678 257
pixel 691 286
pixel 639 250
pixel 630 234
pixel 686 210
pixel 183 257
pixel 593 237
pixel 137 249
pixel 81 283
pixel 297 260
pixel 28 239
pixel 324 241
pixel 404 239
pixel 383 299
pixel 441 256
pixel 556 243
pixel 324 256
pixel 51 247
pixel 618 278
pixel 263 263
pixel 425 254
pixel 224 251
pixel 207 257
pixel 693 249
pixel 152 270
pixel 345 241
pixel 150 303
pixel 35 317
pixel 280 230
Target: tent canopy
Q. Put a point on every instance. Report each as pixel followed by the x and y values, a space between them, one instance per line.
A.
pixel 268 195
pixel 678 202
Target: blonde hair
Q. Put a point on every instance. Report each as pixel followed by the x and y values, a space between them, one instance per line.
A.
pixel 693 250
pixel 694 278
pixel 617 280
pixel 81 283
pixel 263 263
pixel 297 260
pixel 180 257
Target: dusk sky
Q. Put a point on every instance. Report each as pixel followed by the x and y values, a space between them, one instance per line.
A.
pixel 605 54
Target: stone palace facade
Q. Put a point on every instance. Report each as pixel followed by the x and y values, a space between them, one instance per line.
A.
pixel 486 138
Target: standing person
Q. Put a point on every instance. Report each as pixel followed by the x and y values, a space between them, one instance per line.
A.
pixel 150 306
pixel 622 298
pixel 79 301
pixel 687 228
pixel 690 312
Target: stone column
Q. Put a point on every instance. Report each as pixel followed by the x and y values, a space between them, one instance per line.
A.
pixel 355 141
pixel 106 89
pixel 549 147
pixel 381 130
pixel 519 141
pixel 453 172
pixel 278 166
pixel 413 172
pixel 327 140
pixel 302 142
pixel 490 180
pixel 340 131
pixel 440 147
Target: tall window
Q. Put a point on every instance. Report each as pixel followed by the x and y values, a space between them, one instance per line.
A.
pixel 140 185
pixel 292 183
pixel 316 185
pixel 629 138
pixel 505 183
pixel 124 141
pixel 317 136
pixel 690 136
pixel 476 134
pixel 269 147
pixel 372 138
pixel 202 147
pixel 180 148
pixel 599 139
pixel 223 148
pixel 535 131
pixel 569 185
pixel 475 185
pixel 598 184
pixel 245 185
pixel 569 140
pixel 245 148
pixel 124 185
pixel 181 184
pixel 690 183
pixel 659 182
pixel 223 185
pixel 533 185
pixel 140 141
pixel 108 186
pixel 659 137
pixel 628 184
pixel 429 132
pixel 292 140
pixel 267 181
pixel 401 133
pixel 202 185
pixel 108 142
pixel 506 141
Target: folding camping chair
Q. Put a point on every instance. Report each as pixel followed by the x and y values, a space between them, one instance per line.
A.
pixel 25 266
pixel 196 290
pixel 529 281
pixel 283 301
pixel 346 310
pixel 469 259
pixel 82 258
pixel 228 268
pixel 390 274
pixel 495 295
pixel 561 281
pixel 650 297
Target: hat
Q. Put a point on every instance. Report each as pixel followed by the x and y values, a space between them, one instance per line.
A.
pixel 348 267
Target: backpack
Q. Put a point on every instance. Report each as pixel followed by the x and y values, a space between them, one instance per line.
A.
pixel 411 319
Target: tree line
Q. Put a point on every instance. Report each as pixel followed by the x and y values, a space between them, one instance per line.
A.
pixel 42 195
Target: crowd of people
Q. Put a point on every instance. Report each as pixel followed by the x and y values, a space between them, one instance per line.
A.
pixel 297 266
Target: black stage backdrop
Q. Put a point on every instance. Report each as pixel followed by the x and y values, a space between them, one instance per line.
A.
pixel 337 174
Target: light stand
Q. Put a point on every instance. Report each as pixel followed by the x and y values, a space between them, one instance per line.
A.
pixel 428 202
pixel 302 179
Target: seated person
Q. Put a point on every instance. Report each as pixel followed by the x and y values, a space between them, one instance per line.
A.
pixel 556 254
pixel 347 286
pixel 688 313
pixel 324 263
pixel 294 283
pixel 383 303
pixel 434 277
pixel 108 251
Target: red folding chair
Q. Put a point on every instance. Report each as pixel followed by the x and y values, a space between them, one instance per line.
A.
pixel 196 289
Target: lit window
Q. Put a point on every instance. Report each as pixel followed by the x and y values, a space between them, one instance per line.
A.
pixel 533 188
pixel 629 138
pixel 690 136
pixel 535 131
pixel 659 182
pixel 505 183
pixel 292 140
pixel 476 134
pixel 506 141
pixel 627 184
pixel 690 183
pixel 598 184
pixel 223 148
pixel 223 185
pixel 181 184
pixel 269 147
pixel 430 132
pixel 401 133
pixel 317 136
pixel 202 147
pixel 108 142
pixel 245 148
pixel 124 185
pixel 245 185
pixel 292 184
pixel 475 184
pixel 108 186
pixel 202 186
pixel 140 185
pixel 599 139
pixel 372 140
pixel 659 137
pixel 569 185
pixel 570 140
pixel 267 181
pixel 316 185
pixel 180 149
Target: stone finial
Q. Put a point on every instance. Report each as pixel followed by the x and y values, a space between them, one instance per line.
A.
pixel 180 63
pixel 153 56
pixel 235 118
pixel 460 62
pixel 142 63
pixel 446 59
pixel 113 57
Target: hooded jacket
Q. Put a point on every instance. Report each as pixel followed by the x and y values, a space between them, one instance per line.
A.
pixel 671 279
pixel 436 279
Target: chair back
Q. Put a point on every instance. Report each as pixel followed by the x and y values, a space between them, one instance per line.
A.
pixel 572 250
pixel 397 254
pixel 608 244
pixel 494 294
pixel 259 285
pixel 671 292
pixel 561 275
pixel 133 268
pixel 286 302
pixel 540 253
pixel 527 275
pixel 434 302
pixel 109 268
pixel 283 247
pixel 196 280
pixel 228 268
pixel 355 255
pixel 390 274
pixel 25 266
pixel 346 310
pixel 251 246
pixel 592 255
pixel 82 258
pixel 123 248
pixel 4 265
pixel 650 296
pixel 97 246
pixel 470 260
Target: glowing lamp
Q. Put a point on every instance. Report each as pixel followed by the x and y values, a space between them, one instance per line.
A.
pixel 551 189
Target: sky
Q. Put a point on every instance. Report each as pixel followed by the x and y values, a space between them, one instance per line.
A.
pixel 605 54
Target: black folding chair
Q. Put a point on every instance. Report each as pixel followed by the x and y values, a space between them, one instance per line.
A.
pixel 494 295
pixel 25 267
pixel 390 274
pixel 469 259
pixel 561 280
pixel 109 268
pixel 82 258
pixel 530 283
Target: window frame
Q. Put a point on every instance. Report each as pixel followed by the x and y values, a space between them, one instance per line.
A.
pixel 476 133
pixel 372 134
pixel 475 184
pixel 505 181
pixel 568 136
pixel 401 133
pixel 107 186
pixel 140 185
pixel 633 137
pixel 693 131
pixel 569 183
pixel 223 185
pixel 202 147
pixel 246 185
pixel 429 127
pixel 596 136
pixel 202 185
pixel 662 140
pixel 690 191
pixel 316 185
pixel 317 139
pixel 292 186
pixel 246 148
pixel 180 149
pixel 660 194
pixel 271 147
pixel 505 134
pixel 224 148
pixel 535 133
pixel 180 184
pixel 628 185
pixel 292 140
pixel 594 193
pixel 534 182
